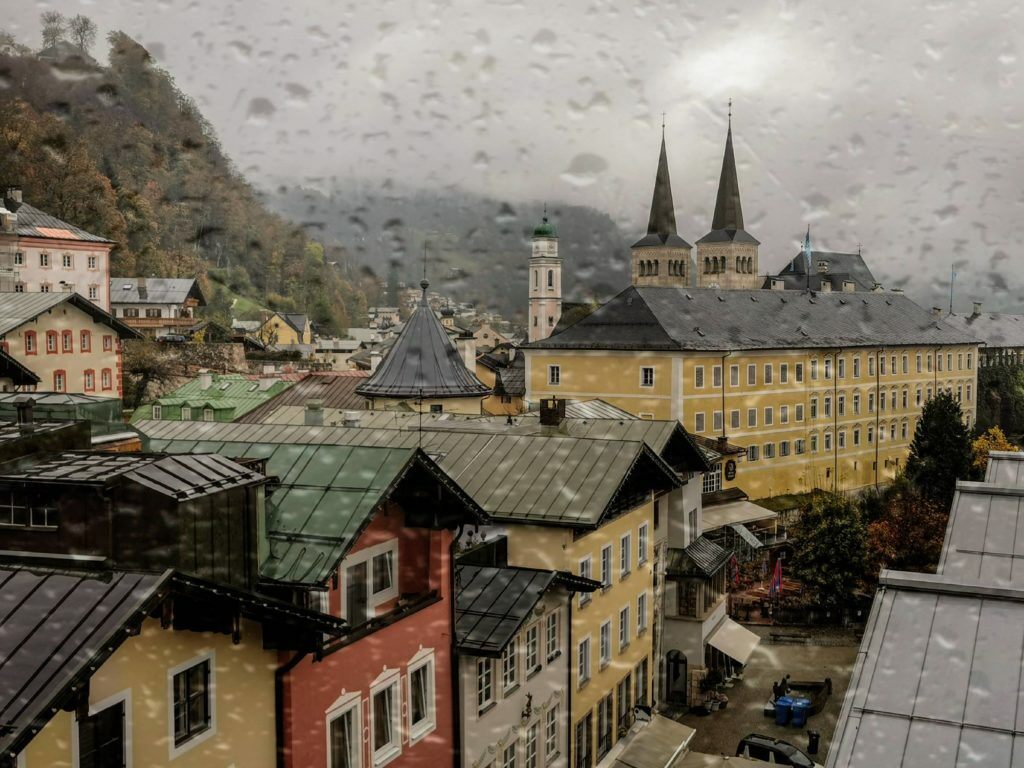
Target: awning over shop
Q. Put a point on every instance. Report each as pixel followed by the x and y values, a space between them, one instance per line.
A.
pixel 744 533
pixel 659 744
pixel 737 512
pixel 734 641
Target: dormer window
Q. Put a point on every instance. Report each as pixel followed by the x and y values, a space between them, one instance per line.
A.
pixel 822 266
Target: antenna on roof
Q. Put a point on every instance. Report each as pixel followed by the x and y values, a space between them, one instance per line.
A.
pixel 952 280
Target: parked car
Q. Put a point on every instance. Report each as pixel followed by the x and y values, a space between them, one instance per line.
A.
pixel 172 338
pixel 758 747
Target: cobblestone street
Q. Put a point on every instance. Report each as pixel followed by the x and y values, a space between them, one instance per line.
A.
pixel 832 654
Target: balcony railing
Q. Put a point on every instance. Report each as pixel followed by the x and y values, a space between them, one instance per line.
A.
pixel 158 322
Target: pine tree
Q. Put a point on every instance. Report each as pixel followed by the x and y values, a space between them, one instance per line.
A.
pixel 940 453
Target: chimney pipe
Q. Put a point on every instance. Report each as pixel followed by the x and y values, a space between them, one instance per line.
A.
pixel 314 414
pixel 350 418
pixel 876 288
pixel 375 358
pixel 936 311
pixel 13 193
pixel 205 380
pixel 977 309
pixel 552 411
pixel 26 424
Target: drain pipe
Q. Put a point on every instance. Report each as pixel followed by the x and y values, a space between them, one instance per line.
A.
pixel 279 675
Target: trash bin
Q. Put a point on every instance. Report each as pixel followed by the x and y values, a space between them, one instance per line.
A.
pixel 798 711
pixel 813 737
pixel 783 704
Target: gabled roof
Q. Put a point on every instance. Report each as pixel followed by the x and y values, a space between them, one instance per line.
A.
pixel 568 482
pixel 238 392
pixel 491 604
pixel 180 477
pixel 727 223
pixel 158 290
pixel 334 389
pixel 661 226
pixel 298 322
pixel 60 626
pixel 708 319
pixel 993 329
pixel 702 557
pixel 985 534
pixel 35 223
pixel 16 309
pixel 15 371
pixel 841 267
pixel 423 363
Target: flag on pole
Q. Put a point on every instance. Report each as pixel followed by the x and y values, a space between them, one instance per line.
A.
pixel 776 586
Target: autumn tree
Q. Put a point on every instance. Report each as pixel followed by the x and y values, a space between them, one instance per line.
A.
pixel 909 532
pixel 940 453
pixel 991 440
pixel 54 26
pixel 829 549
pixel 82 31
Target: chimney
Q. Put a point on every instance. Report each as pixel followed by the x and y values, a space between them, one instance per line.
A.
pixel 936 311
pixel 26 425
pixel 826 286
pixel 350 418
pixel 268 370
pixel 552 412
pixel 466 345
pixel 849 286
pixel 977 309
pixel 14 194
pixel 205 380
pixel 722 444
pixel 375 358
pixel 143 294
pixel 314 414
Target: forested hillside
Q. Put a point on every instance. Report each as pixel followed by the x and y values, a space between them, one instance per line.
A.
pixel 121 152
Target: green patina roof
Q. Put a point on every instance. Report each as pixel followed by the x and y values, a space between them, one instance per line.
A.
pixel 228 391
pixel 545 229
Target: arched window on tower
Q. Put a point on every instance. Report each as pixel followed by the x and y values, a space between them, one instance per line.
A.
pixel 536 279
pixel 707 265
pixel 640 269
pixel 656 264
pixel 551 278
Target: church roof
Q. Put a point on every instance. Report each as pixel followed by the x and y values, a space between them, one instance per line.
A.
pixel 661 227
pixel 423 363
pixel 727 223
pixel 647 318
pixel 839 267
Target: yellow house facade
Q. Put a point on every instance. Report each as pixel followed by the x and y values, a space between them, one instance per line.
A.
pixel 822 390
pixel 286 328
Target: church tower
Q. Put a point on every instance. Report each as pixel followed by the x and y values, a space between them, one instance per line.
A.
pixel 661 257
pixel 727 255
pixel 545 281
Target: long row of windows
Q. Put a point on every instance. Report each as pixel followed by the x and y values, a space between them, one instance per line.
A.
pixel 857 433
pixel 626 632
pixel 64 342
pixel 67 260
pixel 525 655
pixel 60 380
pixel 625 560
pixel 895 366
pixel 385 715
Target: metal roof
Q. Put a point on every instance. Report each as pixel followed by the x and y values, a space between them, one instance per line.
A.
pixel 237 392
pixel 994 329
pixel 1005 469
pixel 54 626
pixel 734 512
pixel 16 372
pixel 985 534
pixel 180 477
pixel 567 481
pixel 35 223
pixel 702 557
pixel 595 409
pixel 159 290
pixel 16 309
pixel 840 267
pixel 710 319
pixel 661 743
pixel 491 605
pixel 938 678
pixel 727 222
pixel 332 389
pixel 423 363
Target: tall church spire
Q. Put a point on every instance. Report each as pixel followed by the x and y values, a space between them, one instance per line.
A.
pixel 663 214
pixel 728 211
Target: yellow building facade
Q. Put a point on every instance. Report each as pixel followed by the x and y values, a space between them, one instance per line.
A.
pixel 140 674
pixel 822 417
pixel 611 667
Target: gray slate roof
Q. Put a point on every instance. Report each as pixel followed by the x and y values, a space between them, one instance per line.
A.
pixel 159 290
pixel 423 363
pixel 661 226
pixel 332 389
pixel 710 319
pixel 571 482
pixel 841 267
pixel 727 223
pixel 16 309
pixel 993 329
pixel 35 223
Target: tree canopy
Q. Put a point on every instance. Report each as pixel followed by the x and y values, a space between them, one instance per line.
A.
pixel 829 549
pixel 940 453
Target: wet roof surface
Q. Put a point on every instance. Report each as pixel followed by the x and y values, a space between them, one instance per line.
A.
pixel 334 390
pixel 492 604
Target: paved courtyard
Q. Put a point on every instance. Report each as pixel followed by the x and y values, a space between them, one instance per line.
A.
pixel 833 656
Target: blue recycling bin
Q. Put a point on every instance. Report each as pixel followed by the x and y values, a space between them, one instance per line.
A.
pixel 799 710
pixel 783 705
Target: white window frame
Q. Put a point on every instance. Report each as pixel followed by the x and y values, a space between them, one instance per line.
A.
pixel 799 412
pixel 699 422
pixel 554 375
pixel 643 376
pixel 186 413
pixel 120 697
pixel 642 543
pixel 751 417
pixel 158 412
pixel 487 666
pixel 424 658
pixel 783 373
pixel 510 667
pixel 698 377
pixel 389 678
pixel 551 733
pixel 583 669
pixel 176 751
pixel 534 631
pixel 767 373
pixel 625 628
pixel 347 702
pixel 373 600
pixel 734 375
pixel 751 374
pixel 641 613
pixel 716 376
pixel 604 643
pixel 552 640
pixel 625 555
pixel 585 597
pixel 606 566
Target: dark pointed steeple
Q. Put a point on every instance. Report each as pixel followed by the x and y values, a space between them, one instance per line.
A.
pixel 661 226
pixel 727 223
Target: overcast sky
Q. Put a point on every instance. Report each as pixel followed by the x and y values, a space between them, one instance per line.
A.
pixel 897 125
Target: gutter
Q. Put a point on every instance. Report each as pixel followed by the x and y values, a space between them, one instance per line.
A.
pixel 279 675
